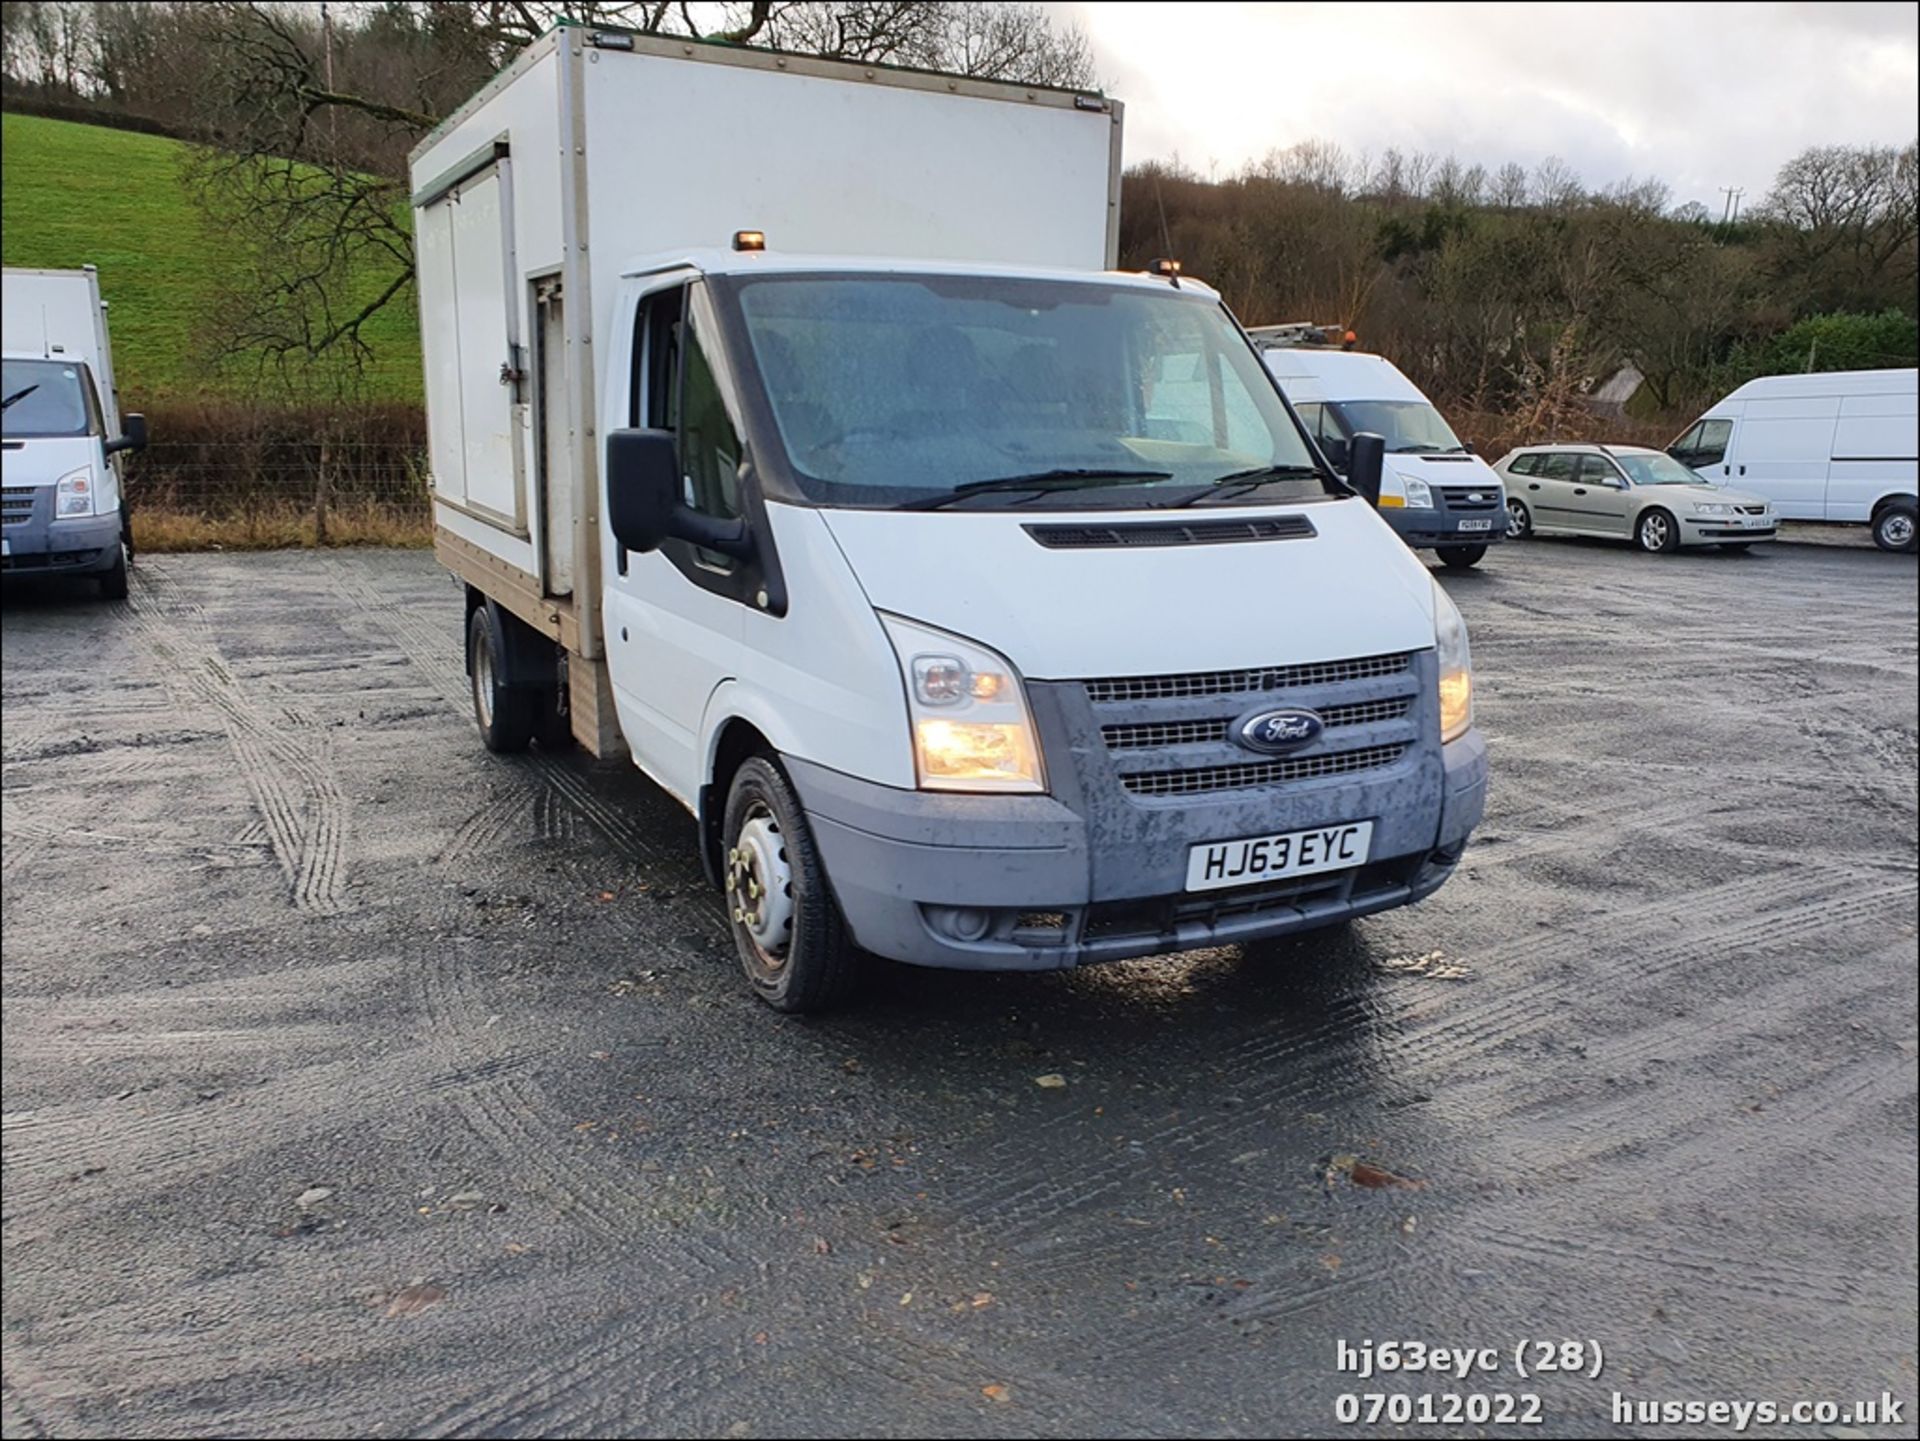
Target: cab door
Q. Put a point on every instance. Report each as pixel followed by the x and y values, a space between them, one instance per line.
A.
pixel 1600 496
pixel 1702 448
pixel 674 618
pixel 1550 491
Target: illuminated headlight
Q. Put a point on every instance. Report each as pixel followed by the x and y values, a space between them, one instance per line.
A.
pixel 1456 666
pixel 74 494
pixel 971 728
pixel 1713 507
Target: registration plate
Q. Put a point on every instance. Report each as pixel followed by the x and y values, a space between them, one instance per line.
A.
pixel 1485 523
pixel 1214 865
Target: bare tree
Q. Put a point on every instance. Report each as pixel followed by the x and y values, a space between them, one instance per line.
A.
pixel 1509 188
pixel 1845 225
pixel 1556 185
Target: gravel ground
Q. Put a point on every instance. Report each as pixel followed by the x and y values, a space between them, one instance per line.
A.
pixel 357 1081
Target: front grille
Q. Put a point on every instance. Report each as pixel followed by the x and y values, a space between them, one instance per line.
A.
pixel 1457 497
pixel 1164 533
pixel 16 504
pixel 1229 682
pixel 1181 733
pixel 1241 777
pixel 1753 510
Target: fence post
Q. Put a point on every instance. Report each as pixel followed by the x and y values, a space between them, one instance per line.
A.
pixel 320 485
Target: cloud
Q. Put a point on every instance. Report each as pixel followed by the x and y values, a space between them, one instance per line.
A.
pixel 1700 96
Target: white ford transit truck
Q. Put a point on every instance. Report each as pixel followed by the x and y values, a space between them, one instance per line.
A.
pixel 987 608
pixel 62 511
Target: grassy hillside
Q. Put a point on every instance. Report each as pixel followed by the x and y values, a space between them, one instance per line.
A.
pixel 83 194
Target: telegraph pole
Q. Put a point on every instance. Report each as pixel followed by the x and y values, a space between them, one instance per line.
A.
pixel 1730 212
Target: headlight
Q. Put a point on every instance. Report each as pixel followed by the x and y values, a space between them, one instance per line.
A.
pixel 74 493
pixel 1419 494
pixel 1456 666
pixel 971 729
pixel 1712 507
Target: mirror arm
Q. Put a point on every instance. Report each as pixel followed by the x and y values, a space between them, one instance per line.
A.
pixel 729 537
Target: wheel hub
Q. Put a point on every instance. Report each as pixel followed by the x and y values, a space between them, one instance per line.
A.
pixel 760 885
pixel 483 683
pixel 1897 528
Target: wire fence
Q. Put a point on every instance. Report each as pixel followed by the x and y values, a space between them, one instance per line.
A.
pixel 221 473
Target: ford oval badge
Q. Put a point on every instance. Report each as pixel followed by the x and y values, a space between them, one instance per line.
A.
pixel 1273 731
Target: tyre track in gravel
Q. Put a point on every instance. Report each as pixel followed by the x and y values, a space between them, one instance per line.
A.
pixel 1003 1207
pixel 500 1099
pixel 441 660
pixel 293 785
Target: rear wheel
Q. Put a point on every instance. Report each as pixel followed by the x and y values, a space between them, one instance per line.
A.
pixel 1657 531
pixel 505 714
pixel 1519 522
pixel 792 942
pixel 1893 528
pixel 1461 557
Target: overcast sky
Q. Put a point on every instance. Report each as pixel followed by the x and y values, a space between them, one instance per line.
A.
pixel 1699 95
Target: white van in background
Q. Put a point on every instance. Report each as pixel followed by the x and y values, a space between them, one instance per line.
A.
pixel 61 512
pixel 1836 446
pixel 1434 492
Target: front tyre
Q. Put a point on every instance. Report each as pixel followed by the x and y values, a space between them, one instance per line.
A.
pixel 1893 528
pixel 1657 532
pixel 113 583
pixel 792 942
pixel 1519 522
pixel 1461 557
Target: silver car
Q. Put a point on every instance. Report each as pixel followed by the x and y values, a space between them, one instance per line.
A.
pixel 1626 492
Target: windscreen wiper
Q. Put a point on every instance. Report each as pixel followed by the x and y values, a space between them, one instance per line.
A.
pixel 1242 481
pixel 1040 482
pixel 21 394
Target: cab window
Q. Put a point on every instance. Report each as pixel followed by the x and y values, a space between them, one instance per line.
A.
pixel 1705 443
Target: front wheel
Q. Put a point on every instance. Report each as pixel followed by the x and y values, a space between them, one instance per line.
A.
pixel 1657 532
pixel 113 583
pixel 1461 557
pixel 792 942
pixel 1893 528
pixel 1519 523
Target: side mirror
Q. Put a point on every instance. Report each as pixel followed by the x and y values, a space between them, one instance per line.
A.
pixel 133 434
pixel 643 498
pixel 1368 457
pixel 1469 447
pixel 1338 452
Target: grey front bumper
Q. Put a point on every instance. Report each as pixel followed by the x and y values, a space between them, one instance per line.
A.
pixel 1009 882
pixel 39 544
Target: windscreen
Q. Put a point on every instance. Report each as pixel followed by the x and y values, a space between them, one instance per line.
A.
pixel 43 398
pixel 904 390
pixel 1655 470
pixel 1410 427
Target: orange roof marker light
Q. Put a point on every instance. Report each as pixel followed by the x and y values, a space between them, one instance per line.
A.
pixel 749 240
